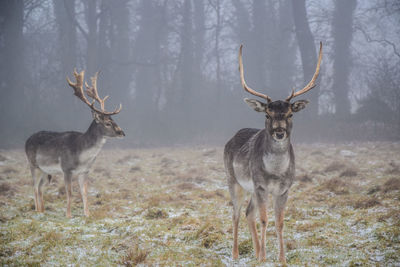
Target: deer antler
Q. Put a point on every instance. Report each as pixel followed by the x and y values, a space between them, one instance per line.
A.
pixel 248 89
pixel 91 91
pixel 311 84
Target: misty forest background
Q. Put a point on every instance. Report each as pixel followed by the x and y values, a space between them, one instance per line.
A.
pixel 173 66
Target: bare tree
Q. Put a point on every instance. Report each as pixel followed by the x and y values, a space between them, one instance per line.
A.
pixel 342 26
pixel 11 64
pixel 305 41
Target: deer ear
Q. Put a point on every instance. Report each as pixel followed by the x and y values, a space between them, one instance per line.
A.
pixel 97 116
pixel 256 105
pixel 299 105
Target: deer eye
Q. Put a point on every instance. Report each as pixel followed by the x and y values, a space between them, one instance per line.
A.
pixel 290 115
pixel 107 124
pixel 267 116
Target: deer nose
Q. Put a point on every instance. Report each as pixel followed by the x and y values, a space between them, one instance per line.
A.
pixel 280 135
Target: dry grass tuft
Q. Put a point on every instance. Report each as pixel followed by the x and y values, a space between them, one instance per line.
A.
pixel 393 168
pixel 166 162
pixel 2 158
pixel 373 190
pixel 317 153
pixel 210 152
pixel 309 226
pixel 135 256
pixel 6 189
pixel 391 185
pixel 349 172
pixel 124 159
pixel 304 178
pixel 214 194
pixel 99 213
pixel 156 214
pixel 186 186
pixel 365 203
pixel 135 169
pixel 335 166
pixel 245 247
pixel 9 170
pixel 336 186
pixel 290 245
pixel 99 170
pixel 208 234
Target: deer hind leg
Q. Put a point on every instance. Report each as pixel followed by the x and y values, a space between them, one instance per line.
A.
pixel 237 196
pixel 35 186
pixel 68 191
pixel 83 183
pixel 262 208
pixel 251 221
pixel 279 207
pixel 40 191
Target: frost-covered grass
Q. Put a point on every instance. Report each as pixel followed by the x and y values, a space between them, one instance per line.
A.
pixel 171 206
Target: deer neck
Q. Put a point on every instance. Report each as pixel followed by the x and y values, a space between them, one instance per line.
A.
pixel 93 137
pixel 275 147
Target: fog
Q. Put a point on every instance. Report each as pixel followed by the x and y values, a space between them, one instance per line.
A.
pixel 173 65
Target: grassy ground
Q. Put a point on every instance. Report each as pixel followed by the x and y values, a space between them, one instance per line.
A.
pixel 171 206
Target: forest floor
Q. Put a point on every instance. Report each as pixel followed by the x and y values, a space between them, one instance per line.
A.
pixel 171 206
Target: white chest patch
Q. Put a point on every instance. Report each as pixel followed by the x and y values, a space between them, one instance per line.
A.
pixel 91 153
pixel 276 164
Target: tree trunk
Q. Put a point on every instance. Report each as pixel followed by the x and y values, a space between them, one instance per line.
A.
pixel 91 42
pixel 342 26
pixel 305 40
pixel 67 46
pixel 12 74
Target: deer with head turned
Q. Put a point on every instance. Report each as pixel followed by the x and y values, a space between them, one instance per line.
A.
pixel 71 153
pixel 262 163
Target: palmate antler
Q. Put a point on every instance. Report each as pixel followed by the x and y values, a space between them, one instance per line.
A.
pixel 91 91
pixel 308 87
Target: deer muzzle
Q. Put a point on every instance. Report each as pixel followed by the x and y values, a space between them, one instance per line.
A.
pixel 279 134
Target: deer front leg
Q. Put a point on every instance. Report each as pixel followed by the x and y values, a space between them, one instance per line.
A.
pixel 262 208
pixel 279 207
pixel 237 196
pixel 251 221
pixel 68 191
pixel 83 183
